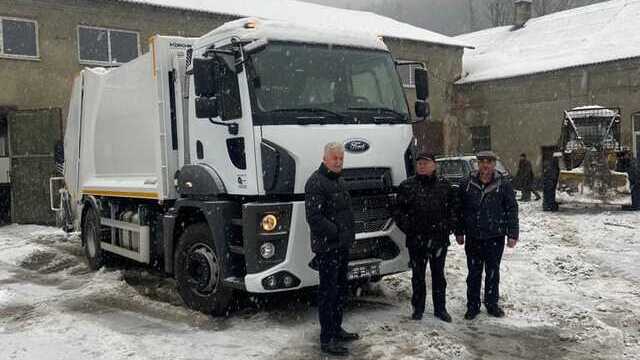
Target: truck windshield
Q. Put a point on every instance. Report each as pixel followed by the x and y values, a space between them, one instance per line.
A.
pixel 310 84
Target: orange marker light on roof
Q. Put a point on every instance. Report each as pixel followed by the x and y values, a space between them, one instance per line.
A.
pixel 251 24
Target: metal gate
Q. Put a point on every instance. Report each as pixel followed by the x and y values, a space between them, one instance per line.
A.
pixel 32 138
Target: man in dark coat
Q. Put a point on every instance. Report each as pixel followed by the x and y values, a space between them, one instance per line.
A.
pixel 331 221
pixel 550 182
pixel 425 212
pixel 629 165
pixel 488 213
pixel 524 179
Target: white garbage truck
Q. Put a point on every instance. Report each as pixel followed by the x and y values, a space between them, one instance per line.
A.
pixel 193 157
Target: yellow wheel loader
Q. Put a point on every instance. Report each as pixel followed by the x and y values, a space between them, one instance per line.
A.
pixel 589 146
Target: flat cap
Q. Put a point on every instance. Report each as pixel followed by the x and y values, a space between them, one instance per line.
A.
pixel 486 155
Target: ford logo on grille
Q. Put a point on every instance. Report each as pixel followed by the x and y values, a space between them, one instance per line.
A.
pixel 356 146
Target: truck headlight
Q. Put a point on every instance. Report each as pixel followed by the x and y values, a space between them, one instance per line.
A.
pixel 267 250
pixel 269 222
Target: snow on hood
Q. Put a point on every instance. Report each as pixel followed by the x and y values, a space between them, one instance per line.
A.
pixel 592 34
pixel 307 13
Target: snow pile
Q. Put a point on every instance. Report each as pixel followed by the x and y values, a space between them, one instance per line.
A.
pixel 587 35
pixel 571 290
pixel 309 14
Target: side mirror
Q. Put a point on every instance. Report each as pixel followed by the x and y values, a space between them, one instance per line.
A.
pixel 422 109
pixel 255 46
pixel 207 107
pixel 204 75
pixel 422 83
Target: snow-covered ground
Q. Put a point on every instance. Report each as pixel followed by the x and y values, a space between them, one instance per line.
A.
pixel 571 290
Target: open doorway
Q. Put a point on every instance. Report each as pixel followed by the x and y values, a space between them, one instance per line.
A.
pixel 5 166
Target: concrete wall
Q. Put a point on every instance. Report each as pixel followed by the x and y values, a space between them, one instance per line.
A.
pixel 525 113
pixel 43 83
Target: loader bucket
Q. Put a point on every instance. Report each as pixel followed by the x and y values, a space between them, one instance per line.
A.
pixel 612 188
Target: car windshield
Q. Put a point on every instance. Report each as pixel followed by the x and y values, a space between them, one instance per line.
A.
pixel 451 168
pixel 303 83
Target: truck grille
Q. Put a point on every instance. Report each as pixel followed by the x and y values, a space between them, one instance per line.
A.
pixel 372 213
pixel 367 178
pixel 374 248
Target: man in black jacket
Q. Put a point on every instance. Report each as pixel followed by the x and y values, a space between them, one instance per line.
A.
pixel 488 214
pixel 425 212
pixel 331 221
pixel 627 164
pixel 524 178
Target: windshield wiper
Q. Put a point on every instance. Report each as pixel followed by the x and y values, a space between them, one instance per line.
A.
pixel 380 110
pixel 311 110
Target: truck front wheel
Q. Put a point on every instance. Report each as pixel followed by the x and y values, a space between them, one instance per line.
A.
pixel 199 272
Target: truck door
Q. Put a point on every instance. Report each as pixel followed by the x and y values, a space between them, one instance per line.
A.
pixel 214 143
pixel 32 138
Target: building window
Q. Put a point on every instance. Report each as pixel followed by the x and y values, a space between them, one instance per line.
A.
pixel 109 47
pixel 481 138
pixel 407 74
pixel 18 38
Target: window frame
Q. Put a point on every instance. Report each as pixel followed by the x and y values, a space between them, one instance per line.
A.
pixel 108 30
pixel 412 67
pixel 476 139
pixel 14 56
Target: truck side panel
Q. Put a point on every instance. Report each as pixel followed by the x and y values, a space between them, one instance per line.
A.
pixel 121 104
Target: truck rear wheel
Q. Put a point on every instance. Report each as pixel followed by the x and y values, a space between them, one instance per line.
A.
pixel 91 237
pixel 199 272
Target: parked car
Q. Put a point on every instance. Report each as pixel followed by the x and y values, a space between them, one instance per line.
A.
pixel 456 168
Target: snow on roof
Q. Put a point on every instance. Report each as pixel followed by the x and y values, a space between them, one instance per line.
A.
pixel 592 34
pixel 287 31
pixel 308 13
pixel 591 110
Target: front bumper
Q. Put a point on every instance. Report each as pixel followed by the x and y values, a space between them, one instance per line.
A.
pixel 385 247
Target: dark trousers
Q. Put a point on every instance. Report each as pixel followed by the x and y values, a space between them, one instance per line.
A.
pixel 526 193
pixel 483 254
pixel 419 256
pixel 332 293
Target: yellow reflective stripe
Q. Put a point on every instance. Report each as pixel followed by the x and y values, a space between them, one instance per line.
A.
pixel 128 194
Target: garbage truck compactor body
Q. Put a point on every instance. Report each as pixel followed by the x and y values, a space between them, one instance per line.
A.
pixel 193 157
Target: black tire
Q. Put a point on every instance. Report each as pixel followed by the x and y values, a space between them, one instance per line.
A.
pixel 199 272
pixel 91 236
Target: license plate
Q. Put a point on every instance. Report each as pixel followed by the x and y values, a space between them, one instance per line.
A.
pixel 363 271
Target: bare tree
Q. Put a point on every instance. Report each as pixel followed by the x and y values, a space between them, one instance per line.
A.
pixel 500 12
pixel 472 16
pixel 544 7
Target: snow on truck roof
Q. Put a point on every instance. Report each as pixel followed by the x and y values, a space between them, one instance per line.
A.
pixel 602 32
pixel 310 14
pixel 253 29
pixel 591 110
